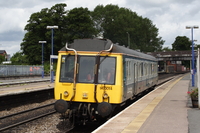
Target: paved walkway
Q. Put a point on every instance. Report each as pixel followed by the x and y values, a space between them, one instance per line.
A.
pixel 170 115
pixel 168 109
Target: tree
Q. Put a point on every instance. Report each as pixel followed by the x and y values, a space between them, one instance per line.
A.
pixel 79 24
pixel 181 43
pixel 72 25
pixel 114 23
pixel 2 58
pixel 36 31
pixel 19 59
pixel 109 22
pixel 166 49
pixel 196 46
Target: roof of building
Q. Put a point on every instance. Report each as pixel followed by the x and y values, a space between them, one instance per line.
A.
pixel 2 51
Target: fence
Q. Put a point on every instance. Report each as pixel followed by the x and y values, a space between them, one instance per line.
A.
pixel 19 70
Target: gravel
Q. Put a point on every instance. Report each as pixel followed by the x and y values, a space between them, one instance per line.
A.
pixel 49 124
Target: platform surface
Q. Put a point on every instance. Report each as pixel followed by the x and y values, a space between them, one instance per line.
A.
pixel 24 86
pixel 167 109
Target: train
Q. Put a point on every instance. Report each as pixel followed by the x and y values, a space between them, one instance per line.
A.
pixel 95 76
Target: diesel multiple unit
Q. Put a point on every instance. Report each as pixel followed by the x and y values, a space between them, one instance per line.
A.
pixel 94 76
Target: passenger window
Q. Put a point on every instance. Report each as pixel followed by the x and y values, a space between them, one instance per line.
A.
pixel 86 69
pixel 107 70
pixel 67 68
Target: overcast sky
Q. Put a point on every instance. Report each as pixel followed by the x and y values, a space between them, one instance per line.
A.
pixel 169 16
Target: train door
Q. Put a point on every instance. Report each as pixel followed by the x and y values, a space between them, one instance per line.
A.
pixel 125 77
pixel 135 78
pixel 146 74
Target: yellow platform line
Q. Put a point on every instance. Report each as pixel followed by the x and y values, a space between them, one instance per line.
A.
pixel 136 124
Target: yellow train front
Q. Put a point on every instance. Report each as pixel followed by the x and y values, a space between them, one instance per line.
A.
pixel 94 76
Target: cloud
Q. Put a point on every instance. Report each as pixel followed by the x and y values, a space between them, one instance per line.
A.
pixel 169 16
pixel 10 47
pixel 11 35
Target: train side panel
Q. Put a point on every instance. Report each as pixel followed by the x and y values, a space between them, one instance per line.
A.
pixel 139 75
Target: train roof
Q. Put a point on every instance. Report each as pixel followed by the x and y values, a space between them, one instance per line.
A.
pixel 97 45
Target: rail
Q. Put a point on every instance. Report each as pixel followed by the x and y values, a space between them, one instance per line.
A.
pixel 16 119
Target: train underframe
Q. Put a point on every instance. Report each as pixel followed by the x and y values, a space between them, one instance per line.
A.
pixel 81 113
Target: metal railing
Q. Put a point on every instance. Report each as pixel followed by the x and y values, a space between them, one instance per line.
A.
pixel 19 70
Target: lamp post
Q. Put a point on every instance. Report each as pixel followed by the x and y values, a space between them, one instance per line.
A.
pixel 193 70
pixel 42 42
pixel 52 28
pixel 128 39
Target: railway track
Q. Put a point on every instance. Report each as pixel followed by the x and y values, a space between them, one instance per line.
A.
pixel 19 118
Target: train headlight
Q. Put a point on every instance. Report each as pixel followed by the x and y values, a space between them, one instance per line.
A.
pixel 85 95
pixel 105 96
pixel 66 94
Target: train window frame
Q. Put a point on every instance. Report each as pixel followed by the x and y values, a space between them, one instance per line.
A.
pixel 87 74
pixel 139 69
pixel 101 72
pixel 130 64
pixel 136 72
pixel 67 75
pixel 145 69
pixel 63 65
pixel 142 69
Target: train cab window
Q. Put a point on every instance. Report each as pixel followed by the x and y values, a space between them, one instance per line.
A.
pixel 67 68
pixel 86 69
pixel 107 70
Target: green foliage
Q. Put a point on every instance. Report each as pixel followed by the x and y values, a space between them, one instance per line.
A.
pixel 80 24
pixel 114 23
pixel 2 58
pixel 186 64
pixel 36 31
pixel 166 49
pixel 47 67
pixel 181 43
pixel 194 93
pixel 19 59
pixel 108 21
pixel 197 46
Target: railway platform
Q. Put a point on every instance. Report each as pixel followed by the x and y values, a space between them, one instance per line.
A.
pixel 24 85
pixel 167 109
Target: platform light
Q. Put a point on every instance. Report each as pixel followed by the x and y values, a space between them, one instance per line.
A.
pixel 42 42
pixel 193 69
pixel 52 29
